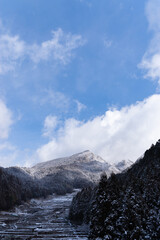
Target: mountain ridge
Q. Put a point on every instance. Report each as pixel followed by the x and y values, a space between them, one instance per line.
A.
pixel 69 159
pixel 59 176
pixel 83 157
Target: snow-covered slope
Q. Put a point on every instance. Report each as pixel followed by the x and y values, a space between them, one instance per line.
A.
pixel 82 157
pixel 58 175
pixel 77 171
pixel 123 165
pixel 125 206
pixel 84 161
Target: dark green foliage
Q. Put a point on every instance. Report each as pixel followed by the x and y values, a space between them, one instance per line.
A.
pixel 64 181
pixel 82 199
pixel 17 186
pixel 9 190
pixel 127 205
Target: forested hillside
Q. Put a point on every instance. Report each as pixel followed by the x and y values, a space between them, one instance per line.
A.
pixel 59 176
pixel 17 186
pixel 127 205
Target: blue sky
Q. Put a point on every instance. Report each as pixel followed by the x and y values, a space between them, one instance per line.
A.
pixel 77 75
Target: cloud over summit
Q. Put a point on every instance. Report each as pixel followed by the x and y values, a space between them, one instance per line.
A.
pixel 118 134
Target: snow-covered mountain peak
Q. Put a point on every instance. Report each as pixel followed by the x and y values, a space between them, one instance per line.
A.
pixel 85 156
pixel 124 164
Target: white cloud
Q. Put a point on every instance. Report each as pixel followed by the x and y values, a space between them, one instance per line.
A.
pixel 116 135
pixel 151 59
pixel 53 98
pixel 8 154
pixel 80 106
pixel 107 43
pixel 6 146
pixel 87 2
pixel 152 12
pixel 58 100
pixel 5 120
pixel 12 50
pixel 50 124
pixel 59 49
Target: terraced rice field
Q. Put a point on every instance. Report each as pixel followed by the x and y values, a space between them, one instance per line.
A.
pixel 41 219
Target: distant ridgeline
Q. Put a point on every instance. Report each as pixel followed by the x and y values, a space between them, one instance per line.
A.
pixel 127 205
pixel 56 176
